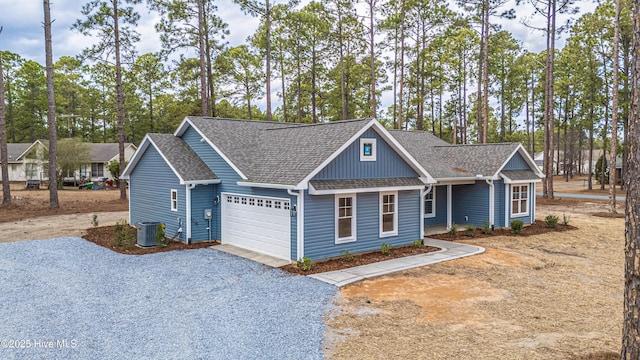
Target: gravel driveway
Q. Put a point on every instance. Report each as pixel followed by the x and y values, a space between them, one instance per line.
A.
pixel 67 298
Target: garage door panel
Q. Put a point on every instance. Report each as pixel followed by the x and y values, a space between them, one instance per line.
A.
pixel 257 223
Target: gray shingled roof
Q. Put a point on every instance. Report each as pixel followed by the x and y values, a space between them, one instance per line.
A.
pixel 104 152
pixel 278 153
pixel 15 150
pixel 519 175
pixel 188 165
pixel 365 183
pixel 443 160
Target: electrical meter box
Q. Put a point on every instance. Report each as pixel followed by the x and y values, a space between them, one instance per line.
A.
pixel 207 214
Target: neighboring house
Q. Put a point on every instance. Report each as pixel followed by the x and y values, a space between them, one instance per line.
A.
pixel 317 190
pixel 27 161
pixel 580 159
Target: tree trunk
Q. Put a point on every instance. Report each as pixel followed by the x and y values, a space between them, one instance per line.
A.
pixel 267 24
pixel 120 99
pixel 51 110
pixel 203 77
pixel 479 100
pixel 374 110
pixel 343 92
pixel 548 98
pixel 485 74
pixel 4 160
pixel 614 114
pixel 631 325
pixel 400 120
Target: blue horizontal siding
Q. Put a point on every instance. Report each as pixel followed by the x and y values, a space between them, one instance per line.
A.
pixel 201 198
pixel 498 186
pixel 471 201
pixel 228 184
pixel 150 187
pixel 528 219
pixel 319 224
pixel 348 165
pixel 441 207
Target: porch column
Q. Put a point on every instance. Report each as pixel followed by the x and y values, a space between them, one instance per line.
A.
pixel 449 213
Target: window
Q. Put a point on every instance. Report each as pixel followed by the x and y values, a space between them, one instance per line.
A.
pixel 268 203
pixel 388 214
pixel 367 149
pixel 345 218
pixel 519 200
pixel 252 202
pixel 430 203
pixel 97 170
pixel 244 201
pixel 174 200
pixel 31 170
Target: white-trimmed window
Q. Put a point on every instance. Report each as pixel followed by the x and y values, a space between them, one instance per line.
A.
pixel 345 218
pixel 367 149
pixel 388 213
pixel 430 203
pixel 519 200
pixel 174 200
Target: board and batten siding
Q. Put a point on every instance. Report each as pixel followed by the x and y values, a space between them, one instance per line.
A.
pixel 319 224
pixel 228 184
pixel 517 162
pixel 441 207
pixel 348 165
pixel 471 201
pixel 150 185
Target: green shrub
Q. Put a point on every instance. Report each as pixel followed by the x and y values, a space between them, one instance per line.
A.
pixel 348 255
pixel 304 264
pixel 454 230
pixel 565 219
pixel 94 220
pixel 124 235
pixel 470 230
pixel 417 243
pixel 486 228
pixel 161 238
pixel 517 226
pixel 385 248
pixel 551 221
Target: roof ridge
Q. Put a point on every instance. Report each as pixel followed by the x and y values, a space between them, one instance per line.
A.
pixel 305 125
pixel 474 145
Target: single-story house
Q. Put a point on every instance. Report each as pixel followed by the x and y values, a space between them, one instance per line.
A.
pixel 317 190
pixel 27 161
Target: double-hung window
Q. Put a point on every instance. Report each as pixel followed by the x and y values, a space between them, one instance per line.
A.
pixel 345 218
pixel 174 200
pixel 519 200
pixel 388 213
pixel 430 203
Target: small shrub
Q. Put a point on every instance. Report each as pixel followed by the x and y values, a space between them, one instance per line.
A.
pixel 347 254
pixel 454 230
pixel 551 221
pixel 94 220
pixel 517 226
pixel 417 243
pixel 486 228
pixel 470 230
pixel 565 219
pixel 304 264
pixel 385 248
pixel 161 238
pixel 124 235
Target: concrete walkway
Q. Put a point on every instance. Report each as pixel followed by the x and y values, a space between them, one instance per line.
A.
pixel 450 251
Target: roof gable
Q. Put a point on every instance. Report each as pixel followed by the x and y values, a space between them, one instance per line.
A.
pixel 183 161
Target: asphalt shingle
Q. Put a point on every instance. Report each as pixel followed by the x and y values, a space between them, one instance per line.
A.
pixel 364 183
pixel 185 161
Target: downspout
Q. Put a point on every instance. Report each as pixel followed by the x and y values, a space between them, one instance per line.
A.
pixel 423 194
pixel 491 202
pixel 507 196
pixel 188 211
pixel 300 222
pixel 532 186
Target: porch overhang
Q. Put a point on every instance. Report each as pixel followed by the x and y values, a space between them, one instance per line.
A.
pixel 519 176
pixel 344 186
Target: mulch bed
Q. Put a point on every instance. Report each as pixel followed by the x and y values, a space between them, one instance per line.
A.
pixel 105 237
pixel 346 262
pixel 537 228
pixel 619 215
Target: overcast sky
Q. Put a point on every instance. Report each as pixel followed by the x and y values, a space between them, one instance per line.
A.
pixel 23 31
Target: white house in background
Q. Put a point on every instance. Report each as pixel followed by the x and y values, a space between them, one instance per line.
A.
pixel 581 157
pixel 26 161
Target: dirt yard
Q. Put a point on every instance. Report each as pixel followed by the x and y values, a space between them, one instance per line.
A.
pixel 28 217
pixel 551 296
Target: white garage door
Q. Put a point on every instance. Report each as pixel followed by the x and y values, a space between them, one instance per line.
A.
pixel 257 223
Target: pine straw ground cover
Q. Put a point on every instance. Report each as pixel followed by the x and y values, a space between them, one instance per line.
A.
pixel 549 296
